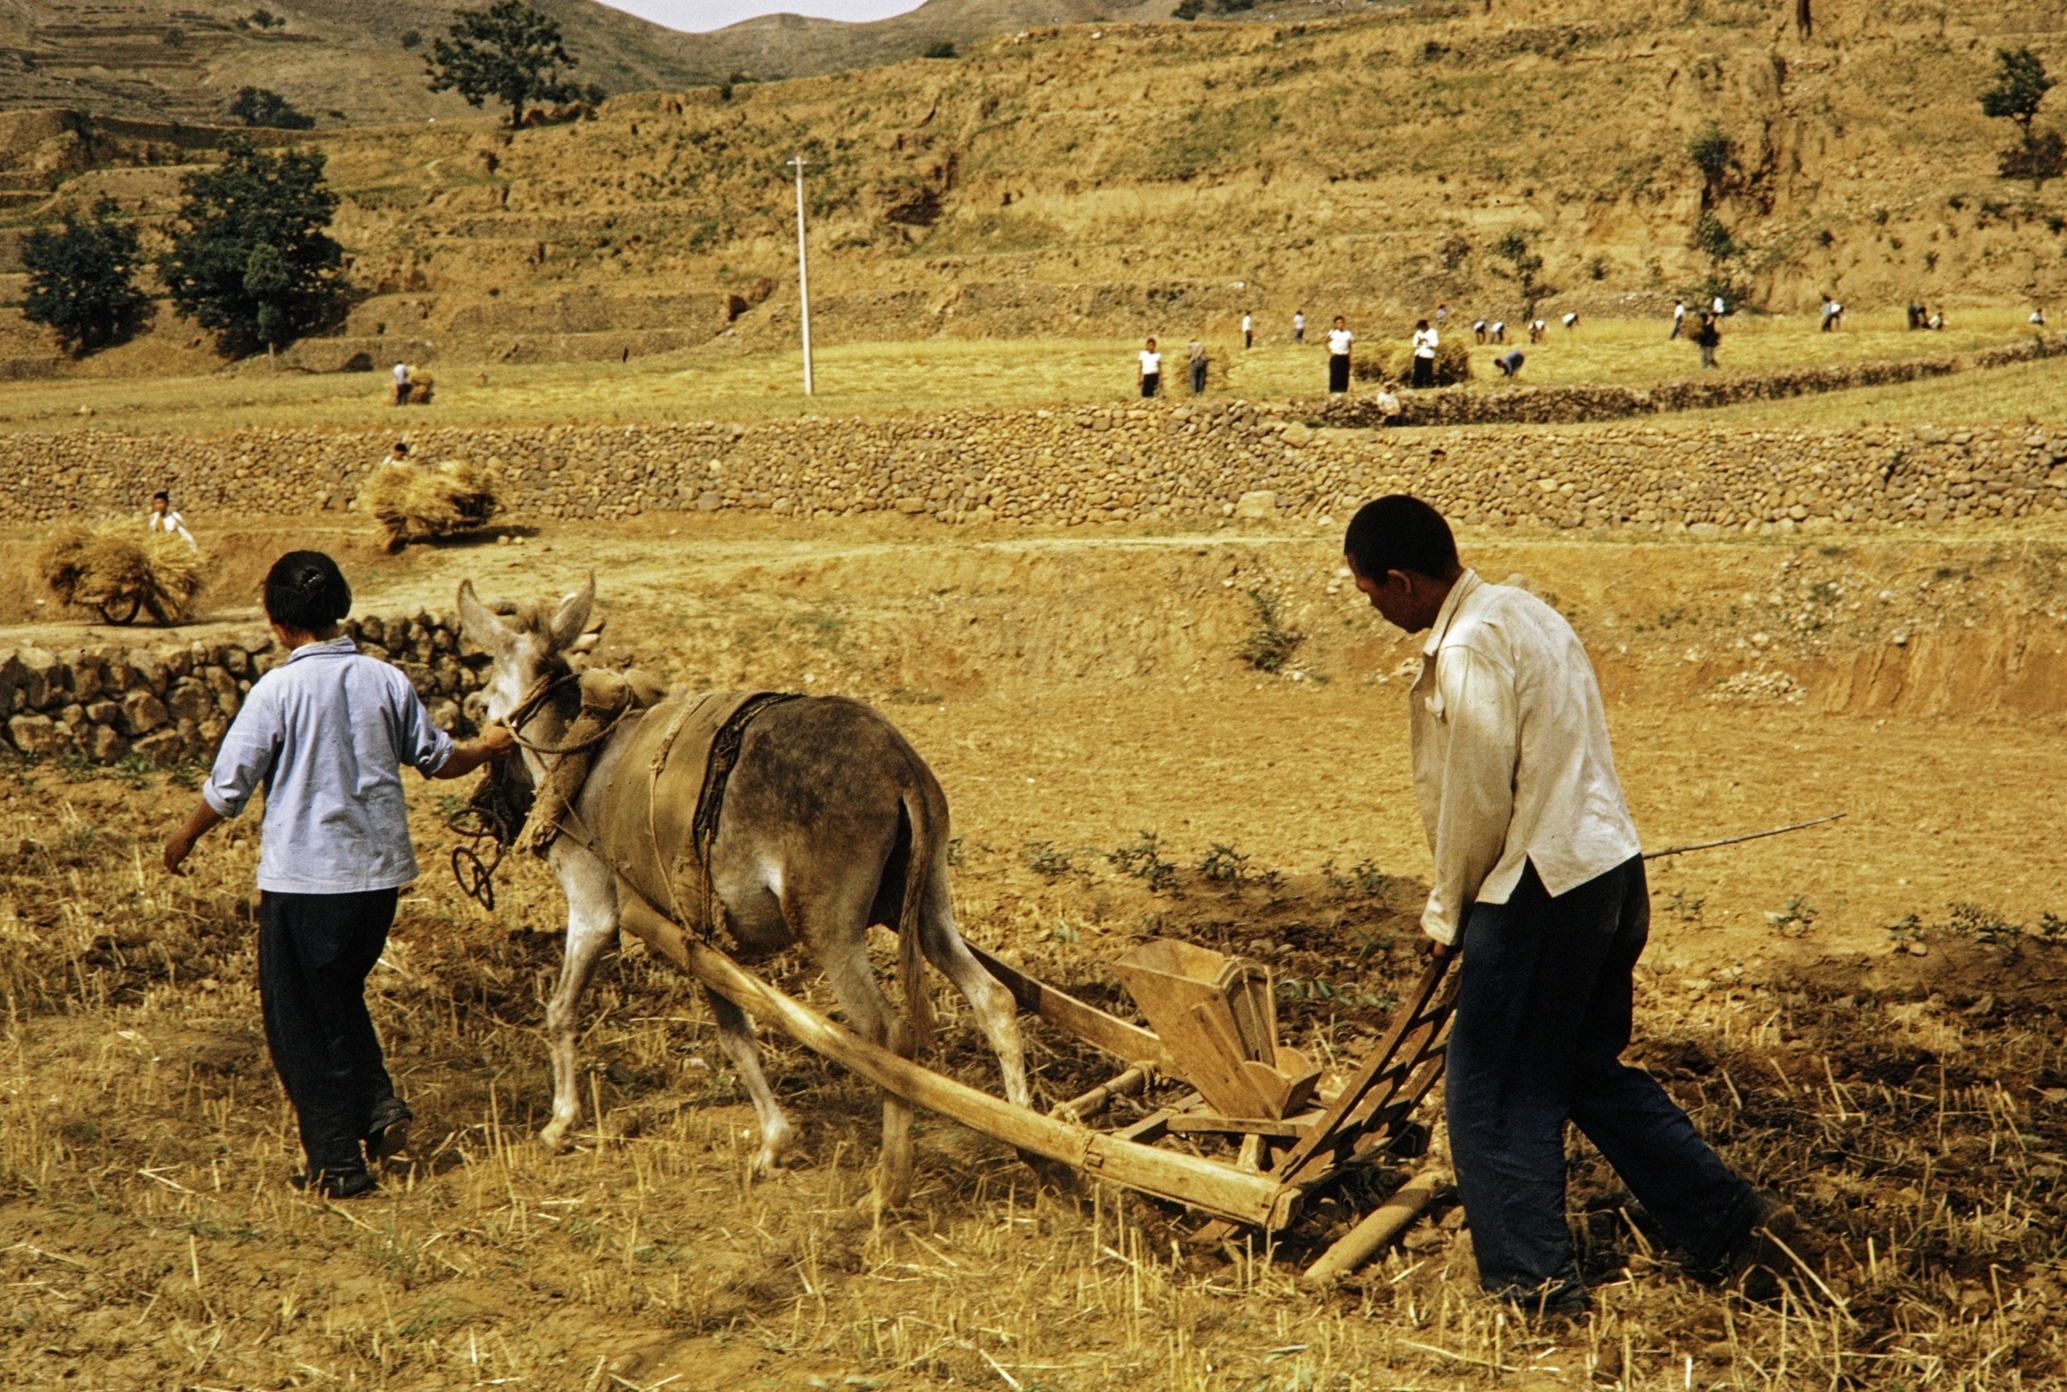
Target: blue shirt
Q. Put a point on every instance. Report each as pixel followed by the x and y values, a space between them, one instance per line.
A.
pixel 326 735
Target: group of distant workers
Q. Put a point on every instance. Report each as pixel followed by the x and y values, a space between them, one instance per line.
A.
pixel 1705 332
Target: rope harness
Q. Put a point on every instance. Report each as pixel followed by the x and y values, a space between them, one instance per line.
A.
pixel 512 814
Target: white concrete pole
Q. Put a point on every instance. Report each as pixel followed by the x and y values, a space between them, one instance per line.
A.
pixel 803 275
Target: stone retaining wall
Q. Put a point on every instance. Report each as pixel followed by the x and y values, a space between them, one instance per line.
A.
pixel 1170 460
pixel 167 702
pixel 1572 404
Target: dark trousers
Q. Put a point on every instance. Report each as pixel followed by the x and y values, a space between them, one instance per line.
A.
pixel 1424 372
pixel 1338 372
pixel 1150 382
pixel 1543 1014
pixel 314 951
pixel 1198 376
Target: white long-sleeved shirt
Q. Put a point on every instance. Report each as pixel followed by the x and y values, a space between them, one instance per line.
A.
pixel 1426 342
pixel 1511 758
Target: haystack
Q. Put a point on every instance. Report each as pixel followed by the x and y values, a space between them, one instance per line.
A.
pixel 414 504
pixel 110 569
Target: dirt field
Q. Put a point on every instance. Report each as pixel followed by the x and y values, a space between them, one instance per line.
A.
pixel 1076 692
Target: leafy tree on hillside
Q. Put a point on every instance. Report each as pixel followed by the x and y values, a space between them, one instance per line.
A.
pixel 944 49
pixel 1523 265
pixel 1724 252
pixel 82 280
pixel 251 259
pixel 2020 85
pixel 1712 152
pixel 261 106
pixel 508 52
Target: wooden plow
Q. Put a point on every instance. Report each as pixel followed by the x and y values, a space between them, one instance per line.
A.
pixel 1215 1030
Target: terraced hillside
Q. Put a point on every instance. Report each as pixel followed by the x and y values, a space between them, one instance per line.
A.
pixel 1084 181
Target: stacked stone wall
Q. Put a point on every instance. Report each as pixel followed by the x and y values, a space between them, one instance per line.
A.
pixel 163 702
pixel 1178 460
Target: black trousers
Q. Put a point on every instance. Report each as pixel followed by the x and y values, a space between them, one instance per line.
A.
pixel 1338 372
pixel 1198 377
pixel 1424 372
pixel 1151 382
pixel 314 951
pixel 1543 1015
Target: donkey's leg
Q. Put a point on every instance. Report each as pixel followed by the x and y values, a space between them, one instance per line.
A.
pixel 736 1038
pixel 591 927
pixel 997 1013
pixel 844 956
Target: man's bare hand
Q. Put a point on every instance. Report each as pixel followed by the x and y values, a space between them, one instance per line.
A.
pixel 182 843
pixel 498 742
pixel 1439 951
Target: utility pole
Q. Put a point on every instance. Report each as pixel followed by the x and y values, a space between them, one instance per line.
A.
pixel 803 275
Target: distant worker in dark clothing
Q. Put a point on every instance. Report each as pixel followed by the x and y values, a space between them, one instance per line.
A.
pixel 1509 362
pixel 1151 370
pixel 1707 338
pixel 1195 359
pixel 1339 339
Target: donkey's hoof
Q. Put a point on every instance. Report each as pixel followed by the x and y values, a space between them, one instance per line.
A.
pixel 776 1143
pixel 554 1138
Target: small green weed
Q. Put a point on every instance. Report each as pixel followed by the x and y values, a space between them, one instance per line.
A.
pixel 1794 919
pixel 1042 858
pixel 1270 642
pixel 1144 861
pixel 1688 910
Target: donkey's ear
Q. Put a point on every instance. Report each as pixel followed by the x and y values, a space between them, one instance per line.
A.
pixel 573 616
pixel 478 624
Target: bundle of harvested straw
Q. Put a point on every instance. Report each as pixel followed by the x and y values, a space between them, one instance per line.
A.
pixel 110 569
pixel 414 504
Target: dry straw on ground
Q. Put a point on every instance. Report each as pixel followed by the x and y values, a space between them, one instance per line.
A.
pixel 417 504
pixel 110 569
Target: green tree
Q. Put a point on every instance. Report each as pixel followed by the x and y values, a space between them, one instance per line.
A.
pixel 944 49
pixel 251 259
pixel 1716 242
pixel 1713 152
pixel 2020 86
pixel 82 280
pixel 508 52
pixel 261 106
pixel 1523 265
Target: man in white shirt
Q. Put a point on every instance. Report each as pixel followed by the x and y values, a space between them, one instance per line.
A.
pixel 1679 320
pixel 1299 326
pixel 1539 887
pixel 401 384
pixel 1339 339
pixel 1248 332
pixel 164 520
pixel 1151 370
pixel 1426 341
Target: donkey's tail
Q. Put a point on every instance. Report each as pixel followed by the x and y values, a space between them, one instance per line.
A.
pixel 916 1027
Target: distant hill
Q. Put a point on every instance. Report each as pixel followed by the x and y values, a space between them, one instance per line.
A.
pixel 1113 179
pixel 345 63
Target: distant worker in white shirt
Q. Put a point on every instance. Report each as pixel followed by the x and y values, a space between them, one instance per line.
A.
pixel 1248 332
pixel 1299 326
pixel 1151 370
pixel 1426 341
pixel 164 520
pixel 401 384
pixel 1339 339
pixel 1539 888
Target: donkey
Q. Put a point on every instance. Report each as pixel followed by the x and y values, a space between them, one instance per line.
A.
pixel 831 822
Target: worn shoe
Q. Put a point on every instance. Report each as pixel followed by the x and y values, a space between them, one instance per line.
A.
pixel 349 1184
pixel 389 1131
pixel 1755 1263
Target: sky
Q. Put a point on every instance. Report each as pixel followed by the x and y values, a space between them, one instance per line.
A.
pixel 698 15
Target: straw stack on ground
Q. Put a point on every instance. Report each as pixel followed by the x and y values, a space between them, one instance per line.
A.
pixel 414 504
pixel 107 569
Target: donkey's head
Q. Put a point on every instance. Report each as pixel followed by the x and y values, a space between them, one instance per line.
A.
pixel 529 642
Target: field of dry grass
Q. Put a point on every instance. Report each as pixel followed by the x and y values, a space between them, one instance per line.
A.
pixel 1914 1106
pixel 873 377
